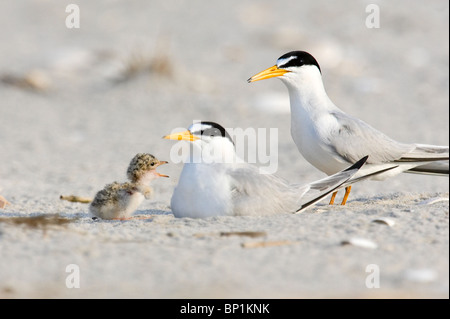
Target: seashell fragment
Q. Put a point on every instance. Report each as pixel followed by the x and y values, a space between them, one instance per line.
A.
pixel 384 220
pixel 433 200
pixel 360 242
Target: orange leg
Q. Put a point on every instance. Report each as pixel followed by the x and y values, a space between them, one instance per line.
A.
pixel 332 198
pixel 347 192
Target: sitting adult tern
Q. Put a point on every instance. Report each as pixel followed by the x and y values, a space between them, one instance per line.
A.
pixel 330 139
pixel 215 182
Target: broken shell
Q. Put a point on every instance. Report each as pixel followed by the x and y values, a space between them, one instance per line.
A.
pixel 384 220
pixel 360 242
pixel 433 200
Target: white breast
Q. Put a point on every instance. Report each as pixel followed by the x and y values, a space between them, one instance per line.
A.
pixel 310 136
pixel 202 191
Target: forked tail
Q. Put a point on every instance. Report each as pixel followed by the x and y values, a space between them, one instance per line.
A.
pixel 330 184
pixel 435 168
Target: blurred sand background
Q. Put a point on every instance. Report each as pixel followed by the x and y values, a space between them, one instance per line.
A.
pixel 78 104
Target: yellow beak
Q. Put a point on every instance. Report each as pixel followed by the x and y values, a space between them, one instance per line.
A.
pixel 181 136
pixel 271 72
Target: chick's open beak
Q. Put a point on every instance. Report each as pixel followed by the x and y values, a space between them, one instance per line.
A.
pixel 159 164
pixel 181 136
pixel 271 72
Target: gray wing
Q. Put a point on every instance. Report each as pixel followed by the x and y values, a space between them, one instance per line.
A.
pixel 424 152
pixel 355 139
pixel 435 168
pixel 436 156
pixel 262 194
pixel 258 194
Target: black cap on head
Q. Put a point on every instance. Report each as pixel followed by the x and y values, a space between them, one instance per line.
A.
pixel 296 59
pixel 207 128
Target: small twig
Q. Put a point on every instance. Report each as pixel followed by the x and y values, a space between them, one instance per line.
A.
pixel 76 199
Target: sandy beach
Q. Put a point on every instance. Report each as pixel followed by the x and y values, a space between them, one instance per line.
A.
pixel 78 103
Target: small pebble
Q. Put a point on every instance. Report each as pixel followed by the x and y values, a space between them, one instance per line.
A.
pixel 424 275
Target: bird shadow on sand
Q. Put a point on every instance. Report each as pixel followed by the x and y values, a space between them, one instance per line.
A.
pixel 398 199
pixel 143 215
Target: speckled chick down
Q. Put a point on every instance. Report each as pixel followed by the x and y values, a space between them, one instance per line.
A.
pixel 120 200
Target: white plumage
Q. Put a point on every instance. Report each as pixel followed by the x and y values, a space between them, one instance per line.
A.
pixel 331 140
pixel 214 182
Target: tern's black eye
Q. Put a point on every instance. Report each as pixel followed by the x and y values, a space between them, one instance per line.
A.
pixel 152 164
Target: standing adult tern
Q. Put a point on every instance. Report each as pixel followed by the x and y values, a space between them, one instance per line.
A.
pixel 215 182
pixel 331 140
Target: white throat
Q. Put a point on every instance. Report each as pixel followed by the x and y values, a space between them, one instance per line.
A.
pixel 312 122
pixel 306 90
pixel 216 150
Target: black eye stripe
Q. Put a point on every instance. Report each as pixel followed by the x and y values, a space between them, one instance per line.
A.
pixel 297 59
pixel 210 129
pixel 294 62
pixel 212 132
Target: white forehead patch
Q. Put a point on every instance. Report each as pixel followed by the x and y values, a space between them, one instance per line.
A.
pixel 198 127
pixel 285 60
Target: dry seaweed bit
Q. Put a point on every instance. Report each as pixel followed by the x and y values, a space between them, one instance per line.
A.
pixel 244 233
pixel 41 221
pixel 140 63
